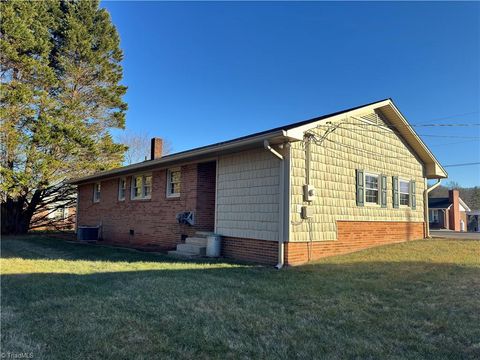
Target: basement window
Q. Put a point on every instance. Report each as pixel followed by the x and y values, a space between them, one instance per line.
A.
pixel 141 187
pixel 96 192
pixel 371 188
pixel 174 180
pixel 404 187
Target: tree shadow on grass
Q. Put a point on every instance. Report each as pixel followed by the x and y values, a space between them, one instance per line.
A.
pixel 353 309
pixel 44 248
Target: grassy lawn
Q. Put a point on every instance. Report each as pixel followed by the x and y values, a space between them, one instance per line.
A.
pixel 414 300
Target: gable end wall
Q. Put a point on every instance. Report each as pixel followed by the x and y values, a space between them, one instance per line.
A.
pixel 351 146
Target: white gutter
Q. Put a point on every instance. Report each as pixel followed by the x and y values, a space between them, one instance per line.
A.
pixel 281 208
pixel 76 212
pixel 425 200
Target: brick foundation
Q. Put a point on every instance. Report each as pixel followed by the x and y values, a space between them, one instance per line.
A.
pixel 260 251
pixel 354 236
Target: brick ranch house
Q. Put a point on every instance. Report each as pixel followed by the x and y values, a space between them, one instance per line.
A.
pixel 330 185
pixel 448 212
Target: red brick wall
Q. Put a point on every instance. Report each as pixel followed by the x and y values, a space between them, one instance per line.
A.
pixel 454 211
pixel 354 236
pixel 153 220
pixel 206 196
pixel 260 251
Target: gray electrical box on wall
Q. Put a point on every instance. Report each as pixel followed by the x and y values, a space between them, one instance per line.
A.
pixel 308 192
pixel 306 212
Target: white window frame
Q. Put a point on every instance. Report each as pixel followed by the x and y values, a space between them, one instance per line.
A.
pixel 97 193
pixel 124 180
pixel 434 216
pixel 379 179
pixel 63 211
pixel 142 192
pixel 400 180
pixel 169 183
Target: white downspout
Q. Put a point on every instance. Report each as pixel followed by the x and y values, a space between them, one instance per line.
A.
pixel 272 150
pixel 425 200
pixel 281 247
pixel 76 211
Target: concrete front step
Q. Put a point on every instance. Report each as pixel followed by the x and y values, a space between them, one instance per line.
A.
pixel 196 241
pixel 181 254
pixel 192 248
pixel 195 246
pixel 204 233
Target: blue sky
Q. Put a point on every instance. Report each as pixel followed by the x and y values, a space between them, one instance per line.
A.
pixel 201 72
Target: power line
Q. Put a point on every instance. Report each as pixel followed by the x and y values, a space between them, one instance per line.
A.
pixel 379 130
pixel 464 164
pixel 451 136
pixel 366 151
pixel 416 125
pixel 315 139
pixel 446 125
pixel 452 116
pixel 453 143
pixel 318 141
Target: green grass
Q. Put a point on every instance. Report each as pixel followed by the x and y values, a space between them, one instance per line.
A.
pixel 414 300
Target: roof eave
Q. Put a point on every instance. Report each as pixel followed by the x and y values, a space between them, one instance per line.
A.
pixel 274 137
pixel 467 208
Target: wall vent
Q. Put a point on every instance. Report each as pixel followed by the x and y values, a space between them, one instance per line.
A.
pixel 375 118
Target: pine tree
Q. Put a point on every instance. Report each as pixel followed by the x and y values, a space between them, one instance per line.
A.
pixel 60 97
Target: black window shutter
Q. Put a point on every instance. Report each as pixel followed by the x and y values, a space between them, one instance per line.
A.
pixel 395 191
pixel 413 195
pixel 360 188
pixel 383 193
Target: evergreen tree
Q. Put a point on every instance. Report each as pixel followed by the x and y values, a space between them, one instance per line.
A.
pixel 475 198
pixel 61 95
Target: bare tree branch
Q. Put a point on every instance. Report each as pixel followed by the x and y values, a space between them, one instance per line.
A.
pixel 139 146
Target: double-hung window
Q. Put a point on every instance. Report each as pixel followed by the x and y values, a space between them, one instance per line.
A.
pixel 404 191
pixel 96 192
pixel 141 186
pixel 174 181
pixel 122 188
pixel 433 216
pixel 371 188
pixel 147 186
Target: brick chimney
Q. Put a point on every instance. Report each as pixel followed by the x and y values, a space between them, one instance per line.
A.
pixel 156 148
pixel 454 211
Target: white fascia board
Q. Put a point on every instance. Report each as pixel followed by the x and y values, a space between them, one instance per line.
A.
pixel 179 158
pixel 298 132
pixel 462 203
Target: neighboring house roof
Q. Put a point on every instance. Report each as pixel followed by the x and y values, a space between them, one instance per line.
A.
pixel 439 203
pixel 444 203
pixel 279 135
